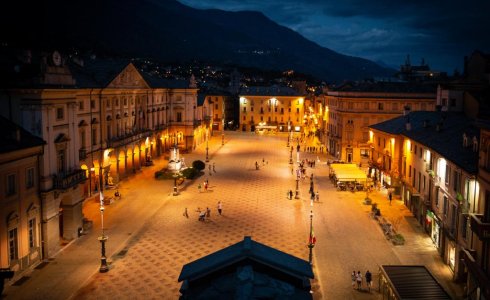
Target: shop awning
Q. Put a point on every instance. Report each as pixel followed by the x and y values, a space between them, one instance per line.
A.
pixel 410 282
pixel 348 172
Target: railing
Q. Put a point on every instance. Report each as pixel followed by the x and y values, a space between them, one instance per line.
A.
pixel 479 227
pixel 66 181
pixel 127 139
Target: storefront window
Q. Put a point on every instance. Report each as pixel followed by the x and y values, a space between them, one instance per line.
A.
pixel 451 255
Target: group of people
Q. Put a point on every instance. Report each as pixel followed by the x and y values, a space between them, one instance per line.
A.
pixel 357 280
pixel 204 214
pixel 205 184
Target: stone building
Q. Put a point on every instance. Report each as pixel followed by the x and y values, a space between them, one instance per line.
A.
pixel 274 108
pixel 20 207
pixel 102 120
pixel 351 108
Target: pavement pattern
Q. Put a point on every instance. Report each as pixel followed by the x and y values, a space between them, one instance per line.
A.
pixel 150 239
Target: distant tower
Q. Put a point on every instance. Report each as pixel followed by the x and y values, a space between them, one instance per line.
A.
pixel 235 81
pixel 192 82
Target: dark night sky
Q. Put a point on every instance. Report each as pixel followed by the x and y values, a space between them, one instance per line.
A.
pixel 442 32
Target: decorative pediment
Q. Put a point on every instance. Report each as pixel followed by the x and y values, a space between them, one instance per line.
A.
pixel 12 219
pixel 62 138
pixel 82 123
pixel 129 78
pixel 32 211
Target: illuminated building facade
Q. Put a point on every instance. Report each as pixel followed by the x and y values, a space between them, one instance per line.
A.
pixel 273 108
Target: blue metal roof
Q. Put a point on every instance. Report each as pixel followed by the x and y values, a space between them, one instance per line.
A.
pixel 246 249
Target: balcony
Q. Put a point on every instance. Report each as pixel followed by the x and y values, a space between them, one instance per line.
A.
pixel 479 227
pixel 476 271
pixel 63 181
pixel 127 138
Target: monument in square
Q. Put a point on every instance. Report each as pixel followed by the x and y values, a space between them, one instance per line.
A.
pixel 175 162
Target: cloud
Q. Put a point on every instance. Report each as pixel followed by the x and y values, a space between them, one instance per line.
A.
pixel 442 31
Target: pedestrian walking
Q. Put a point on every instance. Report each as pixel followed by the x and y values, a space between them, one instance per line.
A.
pixel 390 196
pixel 317 196
pixel 185 213
pixel 369 277
pixel 208 212
pixel 199 187
pixel 205 186
pixel 220 208
pixel 359 280
pixel 263 161
pixel 290 194
pixel 353 279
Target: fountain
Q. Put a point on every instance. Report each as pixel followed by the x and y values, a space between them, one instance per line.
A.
pixel 175 163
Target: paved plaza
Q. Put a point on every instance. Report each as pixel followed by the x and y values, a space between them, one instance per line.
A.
pixel 150 239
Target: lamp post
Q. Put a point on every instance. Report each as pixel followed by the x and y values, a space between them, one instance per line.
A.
pixel 103 260
pixel 207 148
pixel 175 192
pixel 296 196
pixel 312 239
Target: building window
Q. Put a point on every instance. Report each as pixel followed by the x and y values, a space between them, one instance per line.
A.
pixel 92 104
pixel 94 136
pixel 289 109
pixel 244 118
pixel 365 136
pixel 394 106
pixel 80 105
pixel 13 245
pixel 179 116
pixel 350 105
pixel 61 161
pixel 448 169
pixel 464 227
pixel 409 171
pixel 108 103
pixel 29 178
pixel 445 205
pixel 216 106
pixel 244 109
pixel 252 108
pixel 457 181
pixel 366 105
pixel 11 185
pixel 282 110
pixel 32 233
pixel 380 106
pixel 297 110
pixel 117 102
pixel 125 101
pixel 59 113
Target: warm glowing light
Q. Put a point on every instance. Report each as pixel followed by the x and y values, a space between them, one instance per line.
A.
pixel 243 100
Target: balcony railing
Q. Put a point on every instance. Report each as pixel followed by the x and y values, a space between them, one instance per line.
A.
pixel 65 181
pixel 479 227
pixel 482 279
pixel 127 138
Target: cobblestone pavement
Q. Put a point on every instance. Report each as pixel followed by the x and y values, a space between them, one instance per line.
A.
pixel 150 239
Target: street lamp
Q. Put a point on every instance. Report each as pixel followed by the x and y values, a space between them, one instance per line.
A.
pixel 175 192
pixel 312 239
pixel 207 148
pixel 103 260
pixel 296 196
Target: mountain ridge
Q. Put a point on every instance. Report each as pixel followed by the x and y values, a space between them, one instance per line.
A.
pixel 171 31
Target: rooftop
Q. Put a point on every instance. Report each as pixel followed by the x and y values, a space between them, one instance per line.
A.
pixel 439 131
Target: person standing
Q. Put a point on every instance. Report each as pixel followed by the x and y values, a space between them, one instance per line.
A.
pixel 368 280
pixel 220 208
pixel 353 278
pixel 290 194
pixel 214 168
pixel 208 212
pixel 186 214
pixel 317 196
pixel 199 187
pixel 390 196
pixel 359 280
